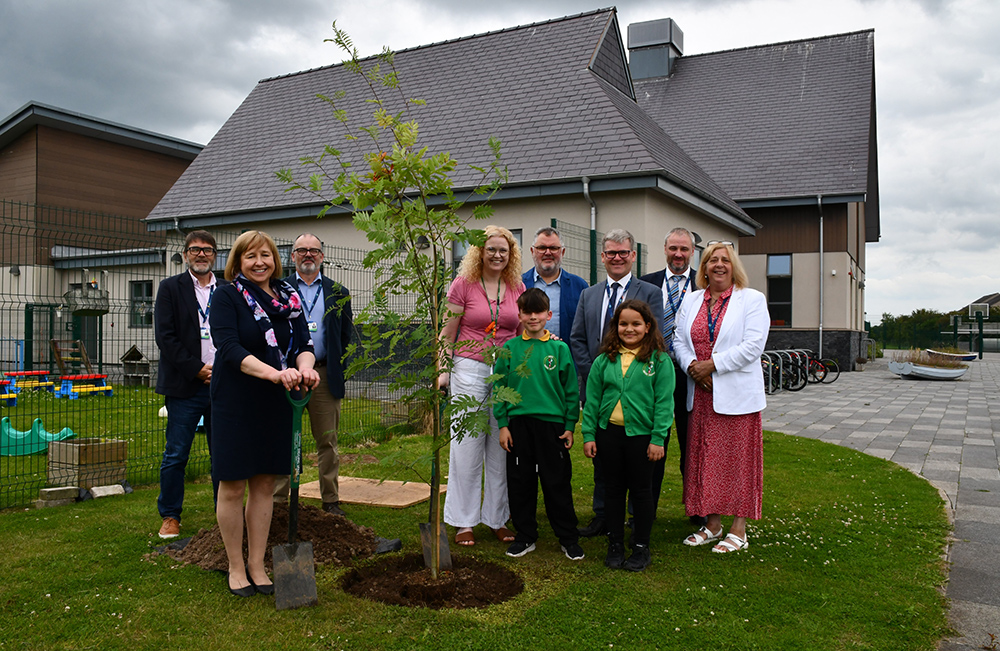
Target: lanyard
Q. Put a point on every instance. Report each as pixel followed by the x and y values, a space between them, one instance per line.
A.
pixel 309 309
pixel 680 294
pixel 208 306
pixel 718 315
pixel 494 319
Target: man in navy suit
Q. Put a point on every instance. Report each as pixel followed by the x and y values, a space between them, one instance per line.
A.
pixel 589 326
pixel 562 287
pixel 327 307
pixel 679 248
pixel 180 321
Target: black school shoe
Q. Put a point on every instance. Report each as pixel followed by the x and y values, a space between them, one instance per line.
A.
pixel 616 556
pixel 597 527
pixel 639 560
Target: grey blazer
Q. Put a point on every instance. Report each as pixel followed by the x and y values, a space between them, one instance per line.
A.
pixel 585 338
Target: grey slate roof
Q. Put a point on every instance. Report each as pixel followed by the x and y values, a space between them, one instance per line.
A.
pixel 555 93
pixel 790 119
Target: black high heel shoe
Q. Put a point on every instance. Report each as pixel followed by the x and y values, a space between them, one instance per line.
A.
pixel 248 591
pixel 260 589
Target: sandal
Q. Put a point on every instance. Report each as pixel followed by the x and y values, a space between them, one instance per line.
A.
pixel 465 538
pixel 732 543
pixel 694 539
pixel 504 535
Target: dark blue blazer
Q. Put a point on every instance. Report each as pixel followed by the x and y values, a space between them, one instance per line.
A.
pixel 177 328
pixel 338 323
pixel 570 288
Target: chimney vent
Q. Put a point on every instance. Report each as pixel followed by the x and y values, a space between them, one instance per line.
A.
pixel 653 46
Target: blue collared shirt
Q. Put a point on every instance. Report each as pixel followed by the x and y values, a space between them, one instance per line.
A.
pixel 313 304
pixel 552 290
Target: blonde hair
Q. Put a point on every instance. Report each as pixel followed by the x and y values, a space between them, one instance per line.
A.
pixel 472 264
pixel 245 242
pixel 740 278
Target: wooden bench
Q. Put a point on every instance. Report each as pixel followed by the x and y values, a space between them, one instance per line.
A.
pixel 71 386
pixel 86 389
pixel 35 384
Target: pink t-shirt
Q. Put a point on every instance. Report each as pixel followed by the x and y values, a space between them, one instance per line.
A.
pixel 476 316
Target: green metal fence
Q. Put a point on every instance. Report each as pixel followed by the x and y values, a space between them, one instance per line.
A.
pixel 76 280
pixel 583 252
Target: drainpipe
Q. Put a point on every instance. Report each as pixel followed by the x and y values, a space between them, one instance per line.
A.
pixel 822 272
pixel 593 230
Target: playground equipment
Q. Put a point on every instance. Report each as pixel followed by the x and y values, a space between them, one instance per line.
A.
pixel 14 443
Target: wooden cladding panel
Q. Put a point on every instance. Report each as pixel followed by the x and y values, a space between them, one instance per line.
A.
pixel 17 169
pixel 85 173
pixel 795 229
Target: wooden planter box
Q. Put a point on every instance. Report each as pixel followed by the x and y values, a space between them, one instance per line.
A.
pixel 87 462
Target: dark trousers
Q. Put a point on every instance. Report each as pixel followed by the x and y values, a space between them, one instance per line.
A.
pixel 681 423
pixel 627 469
pixel 540 456
pixel 183 415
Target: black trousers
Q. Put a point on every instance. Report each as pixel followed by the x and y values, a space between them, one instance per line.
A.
pixel 627 469
pixel 681 423
pixel 540 456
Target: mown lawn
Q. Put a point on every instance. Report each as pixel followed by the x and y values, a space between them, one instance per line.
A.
pixel 847 556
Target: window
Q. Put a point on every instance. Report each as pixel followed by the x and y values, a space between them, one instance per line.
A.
pixel 140 304
pixel 285 255
pixel 779 290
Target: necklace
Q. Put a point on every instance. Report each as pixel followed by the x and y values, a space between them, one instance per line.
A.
pixel 494 318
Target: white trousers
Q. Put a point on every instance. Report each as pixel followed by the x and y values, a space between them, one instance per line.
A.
pixel 472 498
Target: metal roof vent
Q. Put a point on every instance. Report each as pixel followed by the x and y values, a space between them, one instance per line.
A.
pixel 653 47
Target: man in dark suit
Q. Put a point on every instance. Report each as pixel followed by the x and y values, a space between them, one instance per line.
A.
pixel 327 307
pixel 593 314
pixel 679 248
pixel 562 287
pixel 180 321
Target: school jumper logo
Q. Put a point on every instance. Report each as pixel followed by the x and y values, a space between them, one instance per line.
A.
pixel 550 362
pixel 648 369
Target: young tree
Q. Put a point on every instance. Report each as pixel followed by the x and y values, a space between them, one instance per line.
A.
pixel 404 201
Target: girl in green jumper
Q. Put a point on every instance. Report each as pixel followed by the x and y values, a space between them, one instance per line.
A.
pixel 626 419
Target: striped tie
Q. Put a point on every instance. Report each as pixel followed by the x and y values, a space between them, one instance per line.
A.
pixel 668 312
pixel 612 304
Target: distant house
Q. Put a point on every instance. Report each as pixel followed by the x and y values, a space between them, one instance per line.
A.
pixel 74 191
pixel 788 131
pixel 721 144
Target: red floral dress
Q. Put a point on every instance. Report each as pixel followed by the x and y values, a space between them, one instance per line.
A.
pixel 725 454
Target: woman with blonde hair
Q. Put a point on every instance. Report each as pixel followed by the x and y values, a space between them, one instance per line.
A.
pixel 483 304
pixel 721 332
pixel 263 349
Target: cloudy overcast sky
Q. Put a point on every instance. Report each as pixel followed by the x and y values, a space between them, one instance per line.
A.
pixel 181 67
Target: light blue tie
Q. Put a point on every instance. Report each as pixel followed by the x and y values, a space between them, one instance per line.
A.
pixel 669 311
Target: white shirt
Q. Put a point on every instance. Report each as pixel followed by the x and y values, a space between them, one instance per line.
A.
pixel 202 295
pixel 622 283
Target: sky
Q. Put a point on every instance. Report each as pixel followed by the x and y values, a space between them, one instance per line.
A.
pixel 182 67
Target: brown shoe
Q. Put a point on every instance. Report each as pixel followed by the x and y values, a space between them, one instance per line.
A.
pixel 334 508
pixel 171 528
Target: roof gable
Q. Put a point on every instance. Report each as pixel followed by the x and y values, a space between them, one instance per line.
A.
pixel 775 121
pixel 552 92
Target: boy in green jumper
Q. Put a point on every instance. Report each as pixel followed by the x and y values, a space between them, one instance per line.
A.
pixel 537 433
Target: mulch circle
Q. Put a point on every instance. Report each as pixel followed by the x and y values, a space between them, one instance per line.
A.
pixel 404 581
pixel 336 540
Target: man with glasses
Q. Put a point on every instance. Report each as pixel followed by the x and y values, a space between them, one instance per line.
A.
pixel 180 322
pixel 675 282
pixel 327 308
pixel 562 287
pixel 593 314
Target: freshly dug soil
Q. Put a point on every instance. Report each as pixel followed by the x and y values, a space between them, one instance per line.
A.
pixel 404 581
pixel 336 540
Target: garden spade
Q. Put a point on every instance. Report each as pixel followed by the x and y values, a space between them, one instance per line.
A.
pixel 294 571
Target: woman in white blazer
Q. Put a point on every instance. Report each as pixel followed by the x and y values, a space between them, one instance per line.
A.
pixel 720 335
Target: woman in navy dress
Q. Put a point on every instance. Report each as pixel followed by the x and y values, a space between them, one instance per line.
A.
pixel 263 349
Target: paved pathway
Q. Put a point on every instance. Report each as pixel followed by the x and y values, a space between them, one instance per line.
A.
pixel 947 432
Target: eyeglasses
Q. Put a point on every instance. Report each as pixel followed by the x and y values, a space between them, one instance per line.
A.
pixel 492 251
pixel 544 249
pixel 204 250
pixel 312 252
pixel 619 254
pixel 711 242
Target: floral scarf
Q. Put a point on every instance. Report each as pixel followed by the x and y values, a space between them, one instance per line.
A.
pixel 287 307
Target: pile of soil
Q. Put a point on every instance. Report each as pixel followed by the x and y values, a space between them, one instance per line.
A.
pixel 336 540
pixel 404 581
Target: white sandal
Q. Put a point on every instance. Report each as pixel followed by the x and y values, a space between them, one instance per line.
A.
pixel 695 540
pixel 732 543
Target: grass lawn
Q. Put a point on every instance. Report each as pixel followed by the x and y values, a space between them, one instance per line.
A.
pixel 847 556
